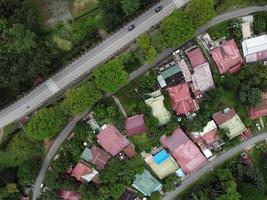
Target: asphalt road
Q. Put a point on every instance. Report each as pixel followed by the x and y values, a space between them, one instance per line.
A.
pixel 85 63
pixel 216 162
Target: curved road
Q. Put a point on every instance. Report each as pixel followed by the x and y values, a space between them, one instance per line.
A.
pixel 214 163
pixel 86 63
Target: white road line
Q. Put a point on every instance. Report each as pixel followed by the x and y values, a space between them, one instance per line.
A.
pixel 52 86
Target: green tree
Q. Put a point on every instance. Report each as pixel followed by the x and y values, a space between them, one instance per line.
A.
pixel 260 22
pixel 143 41
pixel 49 195
pixel 28 171
pixel 177 28
pixel 200 11
pixel 80 98
pixel 110 76
pixel 169 183
pixel 151 54
pixel 9 189
pixel 250 96
pixel 46 123
pixel 130 7
pixel 155 196
pixel 158 41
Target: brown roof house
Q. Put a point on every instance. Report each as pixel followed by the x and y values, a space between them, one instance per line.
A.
pixel 96 156
pixel 83 173
pixel 135 125
pixel 229 119
pixel 114 142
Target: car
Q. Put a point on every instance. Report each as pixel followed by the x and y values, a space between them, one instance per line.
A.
pixel 159 8
pixel 131 27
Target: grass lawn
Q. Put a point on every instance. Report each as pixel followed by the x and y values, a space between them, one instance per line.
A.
pixel 141 142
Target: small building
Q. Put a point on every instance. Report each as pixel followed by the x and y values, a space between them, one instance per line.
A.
pixel 178 57
pixel 186 153
pixel 229 119
pixel 129 194
pixel 135 125
pixel 83 173
pixel 260 110
pixel 181 100
pixel 247 23
pixel 227 57
pixel 69 195
pixel 114 142
pixel 196 57
pixel 146 183
pixel 202 78
pixel 255 49
pixel 156 103
pixel 96 156
pixel 161 163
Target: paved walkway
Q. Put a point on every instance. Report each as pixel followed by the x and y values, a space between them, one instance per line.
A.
pixel 215 163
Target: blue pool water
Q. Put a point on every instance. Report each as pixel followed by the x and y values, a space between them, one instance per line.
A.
pixel 161 156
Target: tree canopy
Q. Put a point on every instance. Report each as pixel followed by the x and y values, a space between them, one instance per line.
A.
pixel 110 76
pixel 45 123
pixel 130 7
pixel 177 28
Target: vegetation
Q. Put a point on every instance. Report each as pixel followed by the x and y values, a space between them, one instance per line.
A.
pixel 260 22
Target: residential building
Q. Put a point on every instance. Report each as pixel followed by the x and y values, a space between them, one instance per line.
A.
pixel 186 153
pixel 247 22
pixel 158 109
pixel 255 49
pixel 229 119
pixel 196 57
pixel 114 142
pixel 83 173
pixel 146 183
pixel 202 78
pixel 181 100
pixel 130 194
pixel 69 195
pixel 178 57
pixel 96 156
pixel 162 163
pixel 227 57
pixel 135 125
pixel 260 110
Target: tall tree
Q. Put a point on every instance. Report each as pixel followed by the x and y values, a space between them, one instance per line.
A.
pixel 130 7
pixel 28 171
pixel 250 96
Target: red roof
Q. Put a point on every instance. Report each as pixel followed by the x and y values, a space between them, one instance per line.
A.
pixel 135 125
pixel 112 140
pixel 227 57
pixel 182 102
pixel 81 169
pixel 69 195
pixel 196 57
pixel 100 157
pixel 223 116
pixel 259 110
pixel 184 151
pixel 210 137
pixel 129 151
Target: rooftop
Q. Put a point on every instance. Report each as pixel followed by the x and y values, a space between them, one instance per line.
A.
pixel 82 172
pixel 196 57
pixel 182 102
pixel 260 110
pixel 184 151
pixel 112 140
pixel 129 194
pixel 227 57
pixel 69 195
pixel 146 183
pixel 135 125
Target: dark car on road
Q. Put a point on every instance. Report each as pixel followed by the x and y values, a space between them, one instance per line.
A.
pixel 159 8
pixel 131 27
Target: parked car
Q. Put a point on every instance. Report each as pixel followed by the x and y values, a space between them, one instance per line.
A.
pixel 131 27
pixel 159 8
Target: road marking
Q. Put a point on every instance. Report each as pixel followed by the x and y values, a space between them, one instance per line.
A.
pixel 52 86
pixel 179 3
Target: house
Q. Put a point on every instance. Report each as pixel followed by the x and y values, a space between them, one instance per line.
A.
pixel 114 142
pixel 202 78
pixel 178 57
pixel 158 109
pixel 181 100
pixel 227 57
pixel 260 110
pixel 229 119
pixel 255 49
pixel 146 183
pixel 135 125
pixel 186 153
pixel 69 195
pixel 83 173
pixel 96 156
pixel 129 194
pixel 196 57
pixel 162 163
pixel 247 22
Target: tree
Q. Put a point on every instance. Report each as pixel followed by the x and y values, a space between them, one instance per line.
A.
pixel 143 41
pixel 9 189
pixel 169 183
pixel 49 195
pixel 224 133
pixel 130 7
pixel 28 171
pixel 80 98
pixel 177 28
pixel 155 196
pixel 158 41
pixel 200 11
pixel 231 82
pixel 45 123
pixel 110 76
pixel 250 96
pixel 260 22
pixel 151 54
